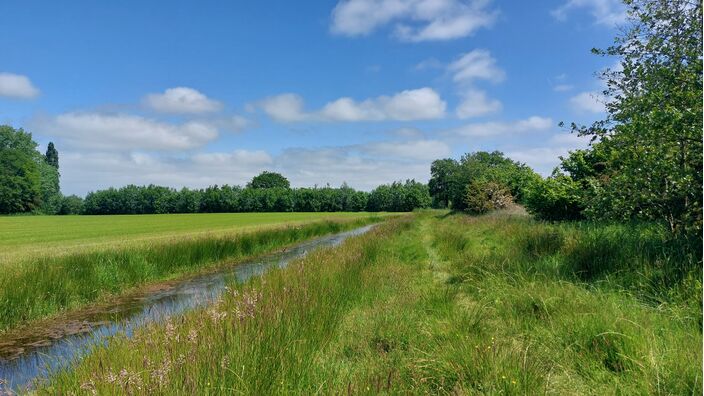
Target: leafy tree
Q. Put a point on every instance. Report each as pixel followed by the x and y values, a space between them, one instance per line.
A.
pixel 50 195
pixel 269 180
pixel 52 155
pixel 70 205
pixel 399 197
pixel 481 166
pixel 652 136
pixel 441 180
pixel 20 178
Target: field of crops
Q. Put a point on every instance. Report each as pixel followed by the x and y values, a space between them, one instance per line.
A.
pixel 22 236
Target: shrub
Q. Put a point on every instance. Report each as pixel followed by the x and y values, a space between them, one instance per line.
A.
pixel 484 196
pixel 555 198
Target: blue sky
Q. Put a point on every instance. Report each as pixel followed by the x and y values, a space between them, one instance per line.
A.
pixel 360 91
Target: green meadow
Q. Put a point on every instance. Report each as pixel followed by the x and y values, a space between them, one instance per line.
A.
pixel 22 236
pixel 436 303
pixel 36 286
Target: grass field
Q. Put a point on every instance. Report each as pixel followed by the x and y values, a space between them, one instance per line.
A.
pixel 436 303
pixel 34 287
pixel 22 236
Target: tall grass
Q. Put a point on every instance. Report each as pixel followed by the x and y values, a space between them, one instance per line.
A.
pixel 454 305
pixel 47 285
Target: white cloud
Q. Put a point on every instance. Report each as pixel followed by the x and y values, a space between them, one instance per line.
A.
pixel 414 20
pixel 604 12
pixel 115 132
pixel 84 172
pixel 588 102
pixel 335 165
pixel 419 149
pixel 17 86
pixel 487 129
pixel 181 100
pixel 562 87
pixel 476 65
pixel 236 123
pixel 430 63
pixel 362 166
pixel 544 159
pixel 286 107
pixel 466 70
pixel 237 157
pixel 409 105
pixel 475 103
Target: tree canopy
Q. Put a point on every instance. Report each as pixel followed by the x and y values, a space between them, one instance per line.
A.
pixel 269 180
pixel 645 161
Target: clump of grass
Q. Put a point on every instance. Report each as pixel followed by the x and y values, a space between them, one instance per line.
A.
pixel 47 285
pixel 540 241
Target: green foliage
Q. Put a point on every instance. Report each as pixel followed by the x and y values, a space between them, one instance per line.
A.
pixel 399 197
pixel 20 178
pixel 449 178
pixel 52 155
pixel 652 138
pixel 50 193
pixel 70 205
pixel 269 180
pixel 28 180
pixel 441 180
pixel 557 197
pixel 482 196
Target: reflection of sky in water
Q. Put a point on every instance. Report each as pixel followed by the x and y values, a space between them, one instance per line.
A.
pixel 38 362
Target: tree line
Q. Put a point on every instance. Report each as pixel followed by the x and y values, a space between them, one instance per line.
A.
pixel 645 159
pixel 131 199
pixel 29 183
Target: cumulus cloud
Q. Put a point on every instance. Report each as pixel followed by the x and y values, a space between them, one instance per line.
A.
pixel 604 12
pixel 476 65
pixel 427 150
pixel 588 102
pixel 286 107
pixel 115 132
pixel 475 103
pixel 488 129
pixel 237 157
pixel 409 105
pixel 353 165
pixel 181 100
pixel 17 86
pixel 362 166
pixel 82 172
pixel 413 20
pixel 544 159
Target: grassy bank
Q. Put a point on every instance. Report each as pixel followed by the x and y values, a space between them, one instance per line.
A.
pixel 43 286
pixel 434 303
pixel 22 236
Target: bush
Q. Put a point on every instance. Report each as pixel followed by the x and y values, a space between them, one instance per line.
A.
pixel 555 198
pixel 484 196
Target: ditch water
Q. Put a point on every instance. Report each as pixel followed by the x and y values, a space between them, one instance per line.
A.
pixel 31 354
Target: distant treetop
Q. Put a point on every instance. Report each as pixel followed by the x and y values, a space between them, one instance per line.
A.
pixel 269 180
